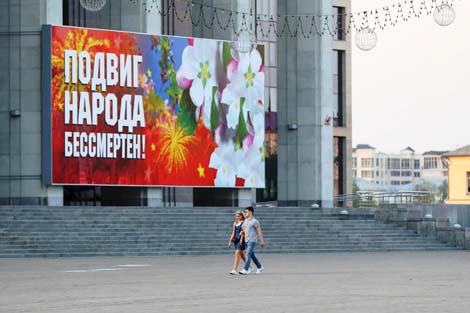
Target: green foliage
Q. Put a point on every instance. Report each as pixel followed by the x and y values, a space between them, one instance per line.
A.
pixel 428 187
pixel 164 46
pixel 242 131
pixel 186 114
pixel 214 113
pixel 355 189
pixel 154 102
pixel 174 91
pixel 226 55
pixel 443 191
pixel 167 69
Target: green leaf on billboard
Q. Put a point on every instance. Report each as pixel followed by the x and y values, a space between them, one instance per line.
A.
pixel 154 102
pixel 187 114
pixel 174 90
pixel 242 131
pixel 226 55
pixel 214 113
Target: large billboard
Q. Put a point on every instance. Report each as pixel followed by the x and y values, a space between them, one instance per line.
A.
pixel 133 109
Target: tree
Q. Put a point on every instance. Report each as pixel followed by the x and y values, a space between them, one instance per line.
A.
pixel 428 187
pixel 355 189
pixel 443 191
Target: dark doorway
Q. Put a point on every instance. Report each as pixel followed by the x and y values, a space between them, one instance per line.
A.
pixel 103 196
pixel 215 197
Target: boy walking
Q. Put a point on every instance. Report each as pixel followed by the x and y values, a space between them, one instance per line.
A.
pixel 253 236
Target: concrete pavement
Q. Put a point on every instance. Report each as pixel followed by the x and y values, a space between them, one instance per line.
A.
pixel 338 282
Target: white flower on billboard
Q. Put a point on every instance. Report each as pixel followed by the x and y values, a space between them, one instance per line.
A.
pixel 258 130
pixel 199 67
pixel 226 160
pixel 235 104
pixel 252 167
pixel 246 81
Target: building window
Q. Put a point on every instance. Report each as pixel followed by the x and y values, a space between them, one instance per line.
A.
pixel 417 174
pixel 416 164
pixel 393 164
pixel 405 163
pixel 406 173
pixel 354 162
pixel 395 173
pixel 338 94
pixel 339 16
pixel 338 166
pixel 367 162
pixel 354 173
pixel 430 162
pixel 377 162
pixel 367 174
pixel 468 183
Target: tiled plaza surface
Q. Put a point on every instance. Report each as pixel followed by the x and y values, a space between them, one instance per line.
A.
pixel 337 282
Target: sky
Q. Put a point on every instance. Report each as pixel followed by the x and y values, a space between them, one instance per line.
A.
pixel 413 88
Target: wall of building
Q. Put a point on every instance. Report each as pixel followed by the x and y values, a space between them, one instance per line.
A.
pixel 304 99
pixel 20 92
pixel 432 166
pixel 459 193
pixel 344 131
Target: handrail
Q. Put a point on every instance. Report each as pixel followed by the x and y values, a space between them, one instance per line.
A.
pixel 378 199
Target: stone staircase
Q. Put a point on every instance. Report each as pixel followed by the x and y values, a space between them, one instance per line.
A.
pixel 140 231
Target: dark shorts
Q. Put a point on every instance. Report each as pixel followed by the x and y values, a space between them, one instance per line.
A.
pixel 239 246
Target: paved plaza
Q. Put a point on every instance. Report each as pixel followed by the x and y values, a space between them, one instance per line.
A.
pixel 337 282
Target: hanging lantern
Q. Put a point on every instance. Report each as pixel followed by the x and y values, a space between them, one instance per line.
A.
pixel 366 39
pixel 93 5
pixel 245 42
pixel 444 15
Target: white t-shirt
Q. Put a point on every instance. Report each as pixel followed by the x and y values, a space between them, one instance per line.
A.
pixel 249 226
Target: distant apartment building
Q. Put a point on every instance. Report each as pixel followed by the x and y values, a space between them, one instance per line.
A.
pixel 396 169
pixel 433 165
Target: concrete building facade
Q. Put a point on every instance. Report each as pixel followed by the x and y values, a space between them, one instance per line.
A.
pixel 342 103
pixel 432 165
pixel 306 86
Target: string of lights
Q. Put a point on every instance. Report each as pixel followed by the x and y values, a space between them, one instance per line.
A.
pixel 264 26
pixel 293 25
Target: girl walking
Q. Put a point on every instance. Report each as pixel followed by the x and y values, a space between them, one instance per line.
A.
pixel 236 238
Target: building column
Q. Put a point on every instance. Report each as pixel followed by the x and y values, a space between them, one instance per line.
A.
pixel 53 15
pixel 154 197
pixel 55 196
pixel 305 162
pixel 245 197
pixel 326 110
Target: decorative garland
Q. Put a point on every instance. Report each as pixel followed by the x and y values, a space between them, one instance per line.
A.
pixel 307 25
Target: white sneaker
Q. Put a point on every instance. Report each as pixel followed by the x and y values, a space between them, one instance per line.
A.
pixel 233 272
pixel 243 272
pixel 260 270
